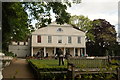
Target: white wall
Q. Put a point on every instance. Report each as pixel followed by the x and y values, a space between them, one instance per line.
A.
pixel 52 31
pixel 44 41
pixel 20 50
pixel 50 51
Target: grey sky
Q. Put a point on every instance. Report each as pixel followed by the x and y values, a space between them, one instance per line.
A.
pixel 95 9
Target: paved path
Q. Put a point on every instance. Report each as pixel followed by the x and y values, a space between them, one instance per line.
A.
pixel 19 69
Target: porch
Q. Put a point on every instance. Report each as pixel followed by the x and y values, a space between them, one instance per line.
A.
pixel 52 51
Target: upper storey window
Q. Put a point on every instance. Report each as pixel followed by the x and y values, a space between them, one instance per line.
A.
pixel 49 39
pixel 69 39
pixel 79 39
pixel 59 39
pixel 59 29
pixel 39 38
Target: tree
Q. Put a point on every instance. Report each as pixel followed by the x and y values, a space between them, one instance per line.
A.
pixel 16 20
pixel 14 23
pixel 83 23
pixel 104 36
pixel 41 12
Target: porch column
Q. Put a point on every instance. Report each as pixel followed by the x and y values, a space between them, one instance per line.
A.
pixel 78 51
pixel 81 50
pixel 44 51
pixel 84 51
pixel 54 50
pixel 74 51
pixel 31 51
pixel 64 51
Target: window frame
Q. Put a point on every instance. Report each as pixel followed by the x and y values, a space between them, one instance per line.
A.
pixel 59 39
pixel 38 38
pixel 49 39
pixel 69 39
pixel 59 30
pixel 79 39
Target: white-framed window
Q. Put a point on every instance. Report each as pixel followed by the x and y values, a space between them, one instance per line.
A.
pixel 59 39
pixel 69 39
pixel 39 38
pixel 79 39
pixel 59 30
pixel 49 39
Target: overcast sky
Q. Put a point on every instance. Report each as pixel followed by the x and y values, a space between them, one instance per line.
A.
pixel 95 9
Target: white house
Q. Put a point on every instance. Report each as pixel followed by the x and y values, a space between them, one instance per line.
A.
pixel 49 39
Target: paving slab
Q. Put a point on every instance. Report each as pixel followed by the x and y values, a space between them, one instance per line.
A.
pixel 18 69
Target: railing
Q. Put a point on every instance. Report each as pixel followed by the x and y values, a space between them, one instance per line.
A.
pixel 89 62
pixel 85 65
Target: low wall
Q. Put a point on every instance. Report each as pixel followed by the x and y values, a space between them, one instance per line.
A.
pixel 20 50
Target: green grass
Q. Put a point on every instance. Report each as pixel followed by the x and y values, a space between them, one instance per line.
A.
pixel 53 65
pixel 48 64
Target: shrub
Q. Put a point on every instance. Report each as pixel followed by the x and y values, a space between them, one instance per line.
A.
pixel 9 53
pixel 48 64
pixel 41 66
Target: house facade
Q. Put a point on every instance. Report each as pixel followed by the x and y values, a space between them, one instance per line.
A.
pixel 53 37
pixel 48 40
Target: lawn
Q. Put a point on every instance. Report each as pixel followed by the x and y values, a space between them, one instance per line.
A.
pixel 52 65
pixel 44 68
pixel 48 64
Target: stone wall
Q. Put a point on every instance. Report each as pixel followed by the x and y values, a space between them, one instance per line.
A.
pixel 21 49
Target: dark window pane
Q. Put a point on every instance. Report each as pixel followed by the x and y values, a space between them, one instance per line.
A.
pixel 79 39
pixel 49 39
pixel 39 38
pixel 69 39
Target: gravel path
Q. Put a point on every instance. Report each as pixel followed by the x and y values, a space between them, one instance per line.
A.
pixel 18 69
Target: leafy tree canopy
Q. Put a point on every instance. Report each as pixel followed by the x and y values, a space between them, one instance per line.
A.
pixel 41 12
pixel 16 20
pixel 104 36
pixel 83 23
pixel 103 31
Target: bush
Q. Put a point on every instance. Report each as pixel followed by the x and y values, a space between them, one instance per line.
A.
pixel 41 66
pixel 48 65
pixel 9 53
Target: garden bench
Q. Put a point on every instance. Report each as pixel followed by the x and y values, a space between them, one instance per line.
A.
pixel 89 65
